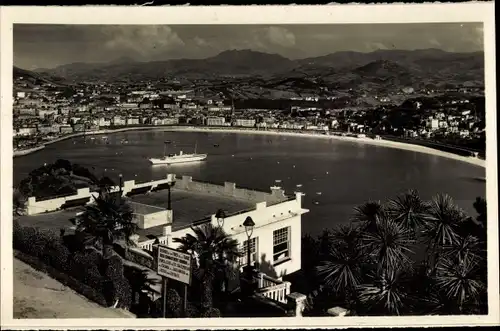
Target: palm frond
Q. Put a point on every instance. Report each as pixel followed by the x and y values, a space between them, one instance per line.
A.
pixel 409 210
pixel 445 219
pixel 390 244
pixel 458 280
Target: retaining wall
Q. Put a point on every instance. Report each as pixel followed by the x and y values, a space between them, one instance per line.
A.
pixel 85 196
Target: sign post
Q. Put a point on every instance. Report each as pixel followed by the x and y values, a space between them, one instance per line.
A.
pixel 175 265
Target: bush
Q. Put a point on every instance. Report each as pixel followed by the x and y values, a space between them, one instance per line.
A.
pixel 57 255
pixel 174 303
pixel 211 312
pixel 119 286
pixel 85 290
pixel 192 310
pixel 85 270
pixel 141 259
pixel 114 268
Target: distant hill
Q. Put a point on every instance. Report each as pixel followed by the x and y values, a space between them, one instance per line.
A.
pixel 340 69
pixel 32 78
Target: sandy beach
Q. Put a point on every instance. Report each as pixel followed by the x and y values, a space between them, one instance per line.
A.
pixel 380 142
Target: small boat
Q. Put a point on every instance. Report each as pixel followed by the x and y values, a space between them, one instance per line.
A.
pixel 318 193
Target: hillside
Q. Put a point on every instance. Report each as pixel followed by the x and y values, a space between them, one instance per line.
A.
pixel 340 70
pixel 36 78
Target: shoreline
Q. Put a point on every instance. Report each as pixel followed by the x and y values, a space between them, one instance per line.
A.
pixel 382 142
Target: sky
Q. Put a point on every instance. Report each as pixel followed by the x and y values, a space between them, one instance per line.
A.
pixel 48 46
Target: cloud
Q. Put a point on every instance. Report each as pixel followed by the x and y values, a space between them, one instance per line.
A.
pixel 434 42
pixel 373 46
pixel 200 42
pixel 143 40
pixel 280 36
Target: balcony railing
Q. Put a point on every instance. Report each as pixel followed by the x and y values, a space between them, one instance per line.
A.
pixel 148 244
pixel 271 288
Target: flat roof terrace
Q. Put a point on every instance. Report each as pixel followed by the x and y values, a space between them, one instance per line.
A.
pixel 189 207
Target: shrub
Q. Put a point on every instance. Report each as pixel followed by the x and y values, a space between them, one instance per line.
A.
pixel 141 259
pixel 211 312
pixel 174 303
pixel 56 255
pixel 119 286
pixel 87 291
pixel 118 289
pixel 192 310
pixel 114 268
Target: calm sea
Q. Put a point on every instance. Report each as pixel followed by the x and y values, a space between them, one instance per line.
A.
pixel 335 175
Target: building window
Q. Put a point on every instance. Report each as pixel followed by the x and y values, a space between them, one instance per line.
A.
pixel 253 252
pixel 281 244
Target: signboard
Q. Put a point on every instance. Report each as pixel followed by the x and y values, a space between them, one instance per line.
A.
pixel 174 264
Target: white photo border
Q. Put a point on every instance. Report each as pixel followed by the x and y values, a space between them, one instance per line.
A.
pixel 282 15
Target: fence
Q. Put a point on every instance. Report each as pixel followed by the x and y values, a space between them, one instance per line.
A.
pixel 273 289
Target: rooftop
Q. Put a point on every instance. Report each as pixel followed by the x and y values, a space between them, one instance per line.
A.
pixel 189 207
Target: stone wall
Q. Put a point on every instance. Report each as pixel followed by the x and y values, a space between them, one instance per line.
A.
pixel 34 206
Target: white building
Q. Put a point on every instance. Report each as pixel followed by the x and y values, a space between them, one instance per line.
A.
pixel 118 120
pixel 433 124
pixel 245 122
pixel 133 121
pixel 276 236
pixel 26 131
pixel 215 121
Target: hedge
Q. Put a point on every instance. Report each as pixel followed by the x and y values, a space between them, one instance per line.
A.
pixel 83 289
pixel 83 271
pixel 140 258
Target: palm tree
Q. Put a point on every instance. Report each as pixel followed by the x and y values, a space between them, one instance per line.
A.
pixel 468 247
pixel 367 214
pixel 459 282
pixel 207 244
pixel 341 269
pixel 106 220
pixel 443 224
pixel 389 244
pixel 385 293
pixel 409 210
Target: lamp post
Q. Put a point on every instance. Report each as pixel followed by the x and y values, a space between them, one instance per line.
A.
pixel 248 224
pixel 170 185
pixel 121 186
pixel 220 215
pixel 248 272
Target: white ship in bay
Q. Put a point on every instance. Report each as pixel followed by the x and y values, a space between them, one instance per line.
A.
pixel 178 158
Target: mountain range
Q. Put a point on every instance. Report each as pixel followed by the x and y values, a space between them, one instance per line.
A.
pixel 340 69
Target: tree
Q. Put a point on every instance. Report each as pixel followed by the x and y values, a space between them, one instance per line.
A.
pixel 341 268
pixel 389 244
pixel 18 203
pixel 106 220
pixel 458 280
pixel 442 226
pixel 409 210
pixel 207 244
pixel 367 214
pixel 385 292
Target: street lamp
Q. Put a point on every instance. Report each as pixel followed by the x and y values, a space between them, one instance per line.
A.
pixel 220 215
pixel 170 185
pixel 248 224
pixel 121 185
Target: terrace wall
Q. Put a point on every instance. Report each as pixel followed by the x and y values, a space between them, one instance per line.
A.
pixel 84 196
